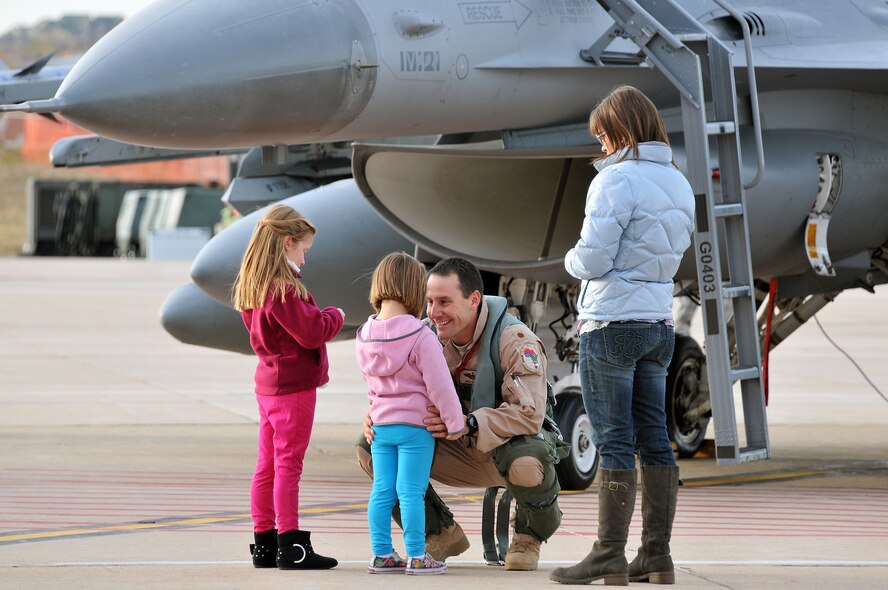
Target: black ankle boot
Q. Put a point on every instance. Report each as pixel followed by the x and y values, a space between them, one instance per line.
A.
pixel 265 548
pixel 295 553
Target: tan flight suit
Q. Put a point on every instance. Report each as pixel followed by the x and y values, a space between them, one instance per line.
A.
pixel 525 461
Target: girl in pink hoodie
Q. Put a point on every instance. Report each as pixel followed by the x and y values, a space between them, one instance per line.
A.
pixel 403 364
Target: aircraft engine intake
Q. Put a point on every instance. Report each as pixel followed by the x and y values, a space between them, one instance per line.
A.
pixel 513 212
pixel 350 241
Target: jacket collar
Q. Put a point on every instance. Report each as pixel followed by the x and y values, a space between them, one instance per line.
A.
pixel 650 151
pixel 482 321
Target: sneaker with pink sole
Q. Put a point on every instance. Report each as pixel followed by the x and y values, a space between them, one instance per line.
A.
pixel 425 565
pixel 393 564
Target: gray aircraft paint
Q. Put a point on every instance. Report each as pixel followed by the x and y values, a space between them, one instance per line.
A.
pixel 204 73
pixel 214 74
pixel 185 74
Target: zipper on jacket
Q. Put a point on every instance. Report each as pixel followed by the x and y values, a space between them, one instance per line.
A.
pixel 583 292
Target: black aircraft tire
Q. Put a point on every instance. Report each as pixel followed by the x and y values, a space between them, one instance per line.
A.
pixel 577 470
pixel 682 390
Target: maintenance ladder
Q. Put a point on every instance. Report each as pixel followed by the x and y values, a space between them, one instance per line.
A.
pixel 679 46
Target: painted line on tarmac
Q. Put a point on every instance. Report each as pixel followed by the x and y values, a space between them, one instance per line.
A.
pixel 187 522
pixel 717 563
pixel 120 528
pixel 788 475
pixel 342 508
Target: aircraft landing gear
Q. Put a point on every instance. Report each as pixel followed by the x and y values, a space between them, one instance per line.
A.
pixel 577 470
pixel 688 407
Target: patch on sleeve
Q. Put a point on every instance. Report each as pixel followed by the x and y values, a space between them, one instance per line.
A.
pixel 530 356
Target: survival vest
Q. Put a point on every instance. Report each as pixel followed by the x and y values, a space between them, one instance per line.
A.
pixel 487 389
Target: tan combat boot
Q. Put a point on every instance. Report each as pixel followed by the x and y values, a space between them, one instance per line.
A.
pixel 448 543
pixel 524 553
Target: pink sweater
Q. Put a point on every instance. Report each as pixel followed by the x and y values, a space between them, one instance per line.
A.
pixel 290 340
pixel 403 363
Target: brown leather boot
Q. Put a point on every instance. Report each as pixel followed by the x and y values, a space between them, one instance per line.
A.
pixel 523 553
pixel 449 542
pixel 659 496
pixel 607 561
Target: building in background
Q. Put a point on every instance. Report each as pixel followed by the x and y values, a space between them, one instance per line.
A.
pixel 12 130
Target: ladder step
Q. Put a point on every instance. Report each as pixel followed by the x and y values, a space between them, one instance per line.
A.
pixel 744 373
pixel 729 455
pixel 735 291
pixel 720 127
pixel 754 454
pixel 728 209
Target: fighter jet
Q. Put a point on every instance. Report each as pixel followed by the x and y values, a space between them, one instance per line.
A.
pixel 774 108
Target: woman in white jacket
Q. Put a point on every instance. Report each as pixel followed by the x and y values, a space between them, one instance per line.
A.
pixel 639 220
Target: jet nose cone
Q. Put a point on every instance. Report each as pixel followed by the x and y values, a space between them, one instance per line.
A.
pixel 204 73
pixel 192 317
pixel 351 240
pixel 215 267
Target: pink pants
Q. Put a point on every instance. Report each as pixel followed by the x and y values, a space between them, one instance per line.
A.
pixel 285 423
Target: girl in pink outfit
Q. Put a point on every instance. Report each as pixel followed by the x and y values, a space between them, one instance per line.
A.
pixel 289 334
pixel 403 363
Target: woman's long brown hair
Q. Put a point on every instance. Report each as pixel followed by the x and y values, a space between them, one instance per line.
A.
pixel 628 117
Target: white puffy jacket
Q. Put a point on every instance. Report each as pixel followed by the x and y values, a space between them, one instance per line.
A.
pixel 639 221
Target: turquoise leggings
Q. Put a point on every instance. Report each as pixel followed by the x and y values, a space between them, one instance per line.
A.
pixel 402 460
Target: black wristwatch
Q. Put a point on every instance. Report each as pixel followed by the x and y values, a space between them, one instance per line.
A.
pixel 472 424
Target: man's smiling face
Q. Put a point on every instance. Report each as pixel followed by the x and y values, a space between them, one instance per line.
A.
pixel 454 314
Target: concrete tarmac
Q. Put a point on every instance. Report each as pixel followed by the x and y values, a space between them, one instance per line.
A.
pixel 127 456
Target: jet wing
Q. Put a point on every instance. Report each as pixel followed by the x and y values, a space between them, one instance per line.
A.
pixel 33 82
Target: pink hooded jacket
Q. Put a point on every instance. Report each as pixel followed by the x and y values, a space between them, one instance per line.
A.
pixel 403 364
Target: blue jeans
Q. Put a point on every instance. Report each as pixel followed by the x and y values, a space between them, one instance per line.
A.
pixel 402 460
pixel 623 374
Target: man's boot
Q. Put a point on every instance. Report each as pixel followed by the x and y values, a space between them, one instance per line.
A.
pixel 295 553
pixel 449 542
pixel 264 549
pixel 659 496
pixel 523 553
pixel 616 501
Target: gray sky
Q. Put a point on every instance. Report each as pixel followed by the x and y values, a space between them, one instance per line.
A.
pixel 29 12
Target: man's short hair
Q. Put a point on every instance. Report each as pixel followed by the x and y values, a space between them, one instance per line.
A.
pixel 467 273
